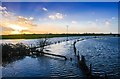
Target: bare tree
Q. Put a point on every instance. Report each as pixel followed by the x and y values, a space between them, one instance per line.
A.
pixel 41 43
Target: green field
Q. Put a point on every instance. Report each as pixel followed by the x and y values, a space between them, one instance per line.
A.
pixel 35 36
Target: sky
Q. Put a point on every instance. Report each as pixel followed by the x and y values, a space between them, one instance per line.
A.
pixel 59 0
pixel 55 17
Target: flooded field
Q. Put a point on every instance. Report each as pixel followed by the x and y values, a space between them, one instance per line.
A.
pixel 101 52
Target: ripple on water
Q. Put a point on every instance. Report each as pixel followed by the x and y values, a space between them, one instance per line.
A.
pixel 102 53
pixel 45 66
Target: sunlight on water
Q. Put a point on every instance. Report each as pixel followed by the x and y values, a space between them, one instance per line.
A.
pixel 13 41
pixel 45 65
pixel 101 52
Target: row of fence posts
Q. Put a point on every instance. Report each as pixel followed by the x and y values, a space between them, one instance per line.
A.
pixel 87 70
pixel 82 64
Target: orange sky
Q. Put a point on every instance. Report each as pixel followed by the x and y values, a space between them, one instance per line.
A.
pixel 55 21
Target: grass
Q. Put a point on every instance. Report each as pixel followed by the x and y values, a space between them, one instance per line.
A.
pixel 12 52
pixel 36 36
pixel 9 51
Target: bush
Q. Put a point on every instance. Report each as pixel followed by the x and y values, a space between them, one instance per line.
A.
pixel 11 51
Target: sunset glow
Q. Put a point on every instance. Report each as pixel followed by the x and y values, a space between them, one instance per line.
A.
pixel 17 28
pixel 47 17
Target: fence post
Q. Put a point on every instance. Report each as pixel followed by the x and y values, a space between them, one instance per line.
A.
pixel 90 69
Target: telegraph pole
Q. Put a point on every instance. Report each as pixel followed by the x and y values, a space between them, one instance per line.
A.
pixel 67 32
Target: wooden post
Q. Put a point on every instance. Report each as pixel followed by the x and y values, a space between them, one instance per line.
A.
pixel 78 52
pixel 70 59
pixel 31 45
pixel 74 47
pixel 106 76
pixel 78 57
pixel 82 58
pixel 90 69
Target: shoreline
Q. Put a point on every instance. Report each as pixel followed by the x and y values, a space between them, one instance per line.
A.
pixel 37 36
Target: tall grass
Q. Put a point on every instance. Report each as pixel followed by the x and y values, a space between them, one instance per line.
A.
pixel 12 51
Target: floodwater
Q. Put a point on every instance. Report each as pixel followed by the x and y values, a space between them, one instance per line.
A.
pixel 101 52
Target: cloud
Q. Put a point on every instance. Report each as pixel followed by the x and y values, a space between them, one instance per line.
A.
pixel 92 23
pixel 18 25
pixel 2 8
pixel 43 19
pixel 25 20
pixel 8 14
pixel 31 18
pixel 12 23
pixel 74 22
pixel 113 18
pixel 21 18
pixel 59 16
pixel 45 9
pixel 52 17
pixel 4 12
pixel 96 20
pixel 107 23
pixel 56 16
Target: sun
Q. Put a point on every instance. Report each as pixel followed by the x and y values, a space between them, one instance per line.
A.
pixel 15 32
pixel 17 29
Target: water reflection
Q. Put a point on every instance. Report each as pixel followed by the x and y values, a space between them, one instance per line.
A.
pixel 45 66
pixel 103 54
pixel 13 41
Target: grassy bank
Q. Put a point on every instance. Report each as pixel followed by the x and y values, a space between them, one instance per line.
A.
pixel 35 36
pixel 18 51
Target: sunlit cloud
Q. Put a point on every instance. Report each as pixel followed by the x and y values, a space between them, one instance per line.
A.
pixel 13 24
pixel 31 18
pixel 107 23
pixel 5 13
pixel 74 22
pixel 49 18
pixel 42 19
pixel 2 8
pixel 17 27
pixel 113 18
pixel 92 23
pixel 45 9
pixel 96 20
pixel 52 17
pixel 56 16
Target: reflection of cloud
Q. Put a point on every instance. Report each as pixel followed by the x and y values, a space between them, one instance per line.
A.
pixel 56 16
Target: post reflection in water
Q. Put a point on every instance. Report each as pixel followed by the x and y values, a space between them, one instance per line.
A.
pixel 94 50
